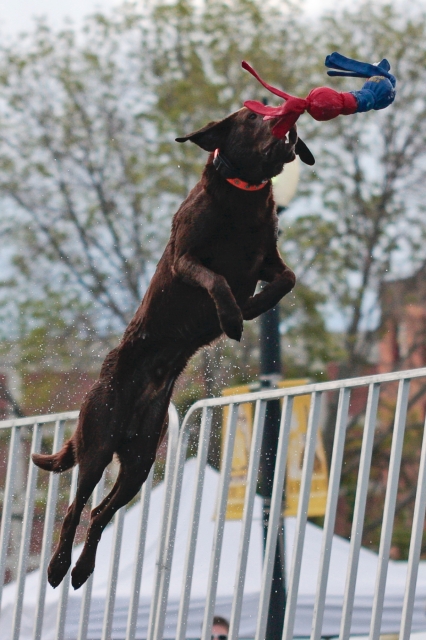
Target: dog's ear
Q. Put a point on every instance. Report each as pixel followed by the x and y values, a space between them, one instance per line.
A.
pixel 304 153
pixel 210 137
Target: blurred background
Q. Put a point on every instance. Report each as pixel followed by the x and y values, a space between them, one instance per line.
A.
pixel 92 97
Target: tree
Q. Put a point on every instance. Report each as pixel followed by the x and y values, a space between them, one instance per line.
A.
pixel 366 195
pixel 90 174
pixel 89 170
pixel 363 224
pixel 81 205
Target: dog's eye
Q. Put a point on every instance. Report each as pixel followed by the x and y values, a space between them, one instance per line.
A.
pixel 252 116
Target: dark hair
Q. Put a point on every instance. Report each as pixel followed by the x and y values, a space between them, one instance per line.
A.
pixel 223 621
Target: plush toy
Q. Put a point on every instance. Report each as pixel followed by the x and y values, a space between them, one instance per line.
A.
pixel 324 103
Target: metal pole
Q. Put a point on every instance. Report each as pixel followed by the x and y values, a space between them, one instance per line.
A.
pixel 270 372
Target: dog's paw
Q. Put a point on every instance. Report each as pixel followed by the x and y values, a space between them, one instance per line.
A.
pixel 250 309
pixel 81 572
pixel 232 324
pixel 57 569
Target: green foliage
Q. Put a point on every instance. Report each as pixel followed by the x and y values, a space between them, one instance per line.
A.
pixel 80 202
pixel 369 178
pixel 90 174
pixel 89 171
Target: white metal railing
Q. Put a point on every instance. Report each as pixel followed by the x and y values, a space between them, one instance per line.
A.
pixel 177 453
pixel 316 392
pixel 35 426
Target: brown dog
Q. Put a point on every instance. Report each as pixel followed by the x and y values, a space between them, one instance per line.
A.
pixel 223 241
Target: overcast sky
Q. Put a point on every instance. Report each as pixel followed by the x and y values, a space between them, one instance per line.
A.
pixel 16 15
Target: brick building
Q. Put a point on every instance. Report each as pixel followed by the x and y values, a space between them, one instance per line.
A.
pixel 403 305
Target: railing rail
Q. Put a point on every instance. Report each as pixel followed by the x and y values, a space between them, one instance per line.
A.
pixel 316 391
pixel 57 422
pixel 176 456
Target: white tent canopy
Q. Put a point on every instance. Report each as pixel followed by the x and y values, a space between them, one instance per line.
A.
pixel 395 586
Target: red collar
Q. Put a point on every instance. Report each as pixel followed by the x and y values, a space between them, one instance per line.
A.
pixel 246 186
pixel 242 184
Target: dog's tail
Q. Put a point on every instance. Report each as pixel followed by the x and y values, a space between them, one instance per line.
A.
pixel 57 462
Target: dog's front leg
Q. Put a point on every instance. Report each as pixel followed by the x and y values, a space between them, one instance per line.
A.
pixel 280 279
pixel 193 272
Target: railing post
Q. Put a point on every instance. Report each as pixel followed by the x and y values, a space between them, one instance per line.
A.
pixel 63 594
pixel 203 444
pixel 275 524
pixel 258 426
pixel 87 588
pixel 389 508
pixel 302 514
pixel 6 519
pixel 26 533
pixel 220 521
pixel 48 532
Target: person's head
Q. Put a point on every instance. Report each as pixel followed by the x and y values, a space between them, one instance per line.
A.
pixel 220 628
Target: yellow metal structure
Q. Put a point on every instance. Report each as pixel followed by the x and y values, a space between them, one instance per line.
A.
pixel 296 449
pixel 240 461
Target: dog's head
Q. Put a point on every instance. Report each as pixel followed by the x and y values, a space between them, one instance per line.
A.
pixel 246 141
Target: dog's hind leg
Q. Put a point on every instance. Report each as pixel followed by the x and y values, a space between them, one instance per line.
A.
pixel 90 473
pixel 128 483
pixel 108 498
pixel 137 456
